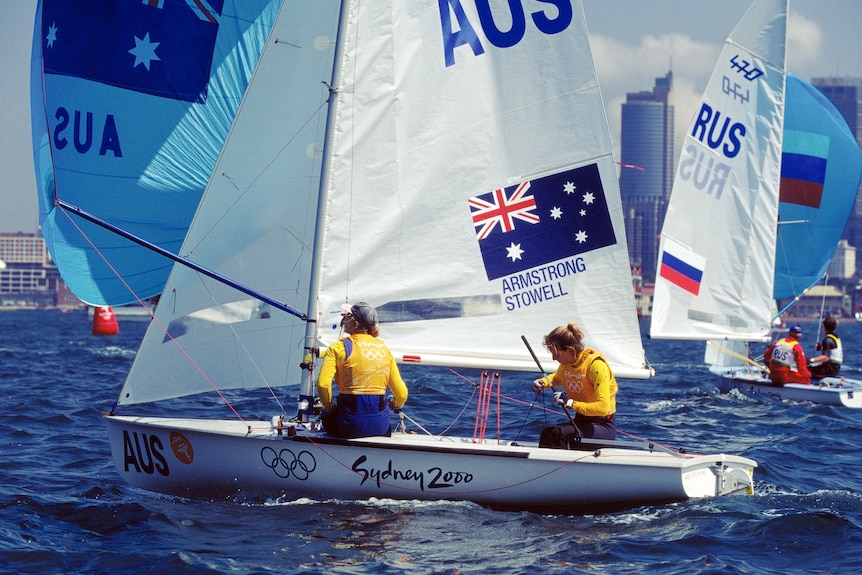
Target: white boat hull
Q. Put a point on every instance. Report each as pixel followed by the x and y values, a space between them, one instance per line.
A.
pixel 228 459
pixel 837 391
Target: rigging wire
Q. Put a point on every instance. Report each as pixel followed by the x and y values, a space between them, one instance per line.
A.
pixel 822 306
pixel 162 327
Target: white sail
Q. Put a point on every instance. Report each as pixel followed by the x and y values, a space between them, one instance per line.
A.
pixel 718 284
pixel 431 124
pixel 255 225
pixel 419 134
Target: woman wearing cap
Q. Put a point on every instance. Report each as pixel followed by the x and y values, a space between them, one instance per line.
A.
pixel 786 359
pixel 362 367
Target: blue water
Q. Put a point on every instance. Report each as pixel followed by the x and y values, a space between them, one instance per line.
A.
pixel 63 508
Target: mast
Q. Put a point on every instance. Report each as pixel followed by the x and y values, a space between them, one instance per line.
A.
pixel 306 388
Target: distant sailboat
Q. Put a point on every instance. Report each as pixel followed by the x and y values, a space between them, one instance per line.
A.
pixel 456 173
pixel 767 179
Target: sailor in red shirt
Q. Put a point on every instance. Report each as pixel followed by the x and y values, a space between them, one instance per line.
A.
pixel 785 359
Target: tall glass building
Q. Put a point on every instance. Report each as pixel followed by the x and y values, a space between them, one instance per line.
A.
pixel 647 173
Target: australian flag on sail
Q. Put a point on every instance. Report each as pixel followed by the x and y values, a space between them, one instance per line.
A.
pixel 157 47
pixel 541 221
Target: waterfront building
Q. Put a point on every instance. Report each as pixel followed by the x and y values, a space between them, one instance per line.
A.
pixel 843 264
pixel 647 170
pixel 28 277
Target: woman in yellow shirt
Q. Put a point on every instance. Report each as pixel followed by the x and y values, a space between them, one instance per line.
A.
pixel 590 389
pixel 362 367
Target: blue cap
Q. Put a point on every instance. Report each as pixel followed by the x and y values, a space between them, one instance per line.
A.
pixel 363 313
pixel 796 329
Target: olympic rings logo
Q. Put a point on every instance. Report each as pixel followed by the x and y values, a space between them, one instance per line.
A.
pixel 286 463
pixel 373 354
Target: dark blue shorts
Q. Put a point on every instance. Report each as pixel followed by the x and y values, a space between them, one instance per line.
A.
pixel 562 435
pixel 358 416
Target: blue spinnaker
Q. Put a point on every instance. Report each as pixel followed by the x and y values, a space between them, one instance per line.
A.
pixel 820 173
pixel 131 102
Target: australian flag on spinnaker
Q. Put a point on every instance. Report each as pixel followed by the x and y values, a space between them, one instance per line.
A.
pixel 156 47
pixel 541 221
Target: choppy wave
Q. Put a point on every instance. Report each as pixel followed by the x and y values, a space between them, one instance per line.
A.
pixel 63 508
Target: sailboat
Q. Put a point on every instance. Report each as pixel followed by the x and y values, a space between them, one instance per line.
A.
pixel 766 181
pixel 449 163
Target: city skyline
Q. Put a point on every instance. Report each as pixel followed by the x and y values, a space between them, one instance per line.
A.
pixel 633 42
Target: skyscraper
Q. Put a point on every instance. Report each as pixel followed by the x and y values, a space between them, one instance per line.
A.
pixel 647 172
pixel 846 95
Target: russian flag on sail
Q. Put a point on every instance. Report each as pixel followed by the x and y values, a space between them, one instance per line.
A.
pixel 541 221
pixel 803 168
pixel 681 267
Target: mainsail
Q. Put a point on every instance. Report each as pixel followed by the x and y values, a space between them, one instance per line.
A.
pixel 715 266
pixel 480 205
pixel 443 174
pixel 131 102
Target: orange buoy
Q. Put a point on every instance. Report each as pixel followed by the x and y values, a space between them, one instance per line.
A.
pixel 105 322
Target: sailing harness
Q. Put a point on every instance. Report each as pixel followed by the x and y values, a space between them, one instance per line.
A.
pixel 835 354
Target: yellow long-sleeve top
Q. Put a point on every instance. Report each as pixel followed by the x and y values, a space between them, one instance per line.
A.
pixel 590 383
pixel 368 371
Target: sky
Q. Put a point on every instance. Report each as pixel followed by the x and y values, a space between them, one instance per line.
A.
pixel 633 41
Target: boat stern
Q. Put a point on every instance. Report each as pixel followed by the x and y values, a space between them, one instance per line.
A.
pixel 718 475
